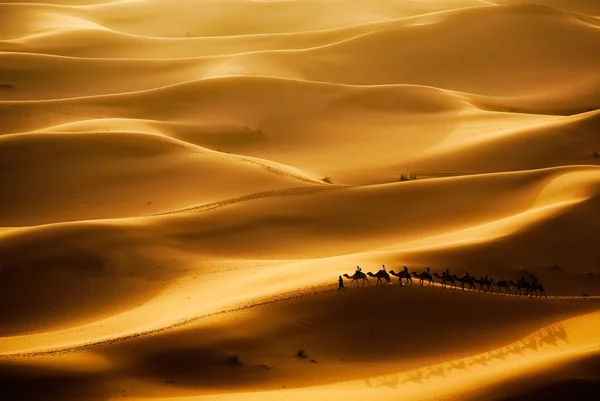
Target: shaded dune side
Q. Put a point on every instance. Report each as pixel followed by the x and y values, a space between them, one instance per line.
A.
pixel 193 360
pixel 92 273
pixel 542 246
pixel 317 324
pixel 65 177
pixel 578 378
pixel 569 141
pixel 336 222
pixel 374 215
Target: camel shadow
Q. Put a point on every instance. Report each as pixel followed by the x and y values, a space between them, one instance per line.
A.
pixel 414 378
pixel 458 366
pixel 436 370
pixel 515 349
pixel 530 343
pixel 482 360
pixel 500 355
pixel 392 381
pixel 552 334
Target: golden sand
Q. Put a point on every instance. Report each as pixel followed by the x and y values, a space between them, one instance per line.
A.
pixel 182 183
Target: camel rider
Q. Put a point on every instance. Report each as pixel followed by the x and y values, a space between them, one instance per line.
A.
pixel 428 271
pixel 448 272
pixel 522 279
pixel 486 277
pixel 502 278
pixel 358 270
pixel 405 269
pixel 382 268
pixel 467 274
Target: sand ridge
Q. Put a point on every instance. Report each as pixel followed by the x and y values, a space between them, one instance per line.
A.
pixel 181 186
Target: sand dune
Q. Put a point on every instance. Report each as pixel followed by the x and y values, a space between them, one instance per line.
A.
pixel 316 216
pixel 159 19
pixel 119 174
pixel 502 64
pixel 181 185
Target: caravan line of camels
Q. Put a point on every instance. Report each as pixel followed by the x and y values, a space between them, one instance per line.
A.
pixel 521 286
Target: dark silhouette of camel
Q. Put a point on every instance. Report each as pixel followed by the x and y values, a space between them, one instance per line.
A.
pixel 424 276
pixel 446 278
pixel 358 276
pixel 521 285
pixel 381 277
pixel 502 284
pixel 535 287
pixel 485 281
pixel 466 280
pixel 402 275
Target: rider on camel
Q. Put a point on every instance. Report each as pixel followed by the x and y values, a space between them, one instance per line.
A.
pixel 382 269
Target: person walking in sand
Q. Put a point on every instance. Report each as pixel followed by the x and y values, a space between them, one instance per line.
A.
pixel 340 283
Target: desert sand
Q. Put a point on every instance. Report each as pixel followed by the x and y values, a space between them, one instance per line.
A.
pixel 182 183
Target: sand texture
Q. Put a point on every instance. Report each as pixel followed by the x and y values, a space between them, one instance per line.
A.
pixel 183 182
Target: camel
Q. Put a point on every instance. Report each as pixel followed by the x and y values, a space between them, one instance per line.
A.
pixel 358 276
pixel 535 287
pixel 402 274
pixel 424 276
pixel 465 279
pixel 502 284
pixel 521 285
pixel 485 281
pixel 381 277
pixel 446 278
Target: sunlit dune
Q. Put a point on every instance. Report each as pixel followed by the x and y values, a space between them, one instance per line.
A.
pixel 182 184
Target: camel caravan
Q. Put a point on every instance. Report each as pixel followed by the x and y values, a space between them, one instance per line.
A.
pixel 522 286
